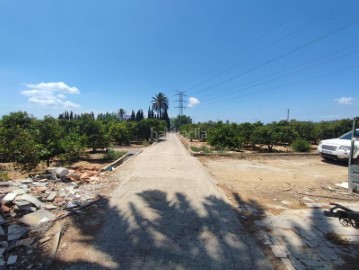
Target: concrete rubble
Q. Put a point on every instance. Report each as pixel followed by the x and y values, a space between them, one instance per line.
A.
pixel 26 204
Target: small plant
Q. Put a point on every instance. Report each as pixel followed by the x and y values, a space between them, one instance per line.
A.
pixel 301 145
pixel 203 148
pixel 113 155
pixel 145 143
pixel 4 176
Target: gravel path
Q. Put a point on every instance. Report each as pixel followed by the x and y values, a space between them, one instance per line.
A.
pixel 167 213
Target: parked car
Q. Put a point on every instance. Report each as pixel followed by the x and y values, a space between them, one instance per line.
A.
pixel 339 148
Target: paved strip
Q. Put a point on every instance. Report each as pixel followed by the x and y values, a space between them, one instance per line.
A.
pixel 167 213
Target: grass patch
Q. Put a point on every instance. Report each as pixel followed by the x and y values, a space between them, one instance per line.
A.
pixel 111 155
pixel 203 148
pixel 4 176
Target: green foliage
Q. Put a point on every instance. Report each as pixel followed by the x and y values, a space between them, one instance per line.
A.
pixel 94 132
pixel 111 154
pixel 23 150
pixel 18 140
pixel 72 146
pixel 202 148
pixel 225 136
pixel 181 121
pixel 301 145
pixel 4 176
pixel 120 132
pixel 49 137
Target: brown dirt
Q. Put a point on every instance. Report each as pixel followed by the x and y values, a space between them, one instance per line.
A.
pixel 274 183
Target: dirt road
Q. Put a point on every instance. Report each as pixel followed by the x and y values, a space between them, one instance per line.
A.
pixel 166 213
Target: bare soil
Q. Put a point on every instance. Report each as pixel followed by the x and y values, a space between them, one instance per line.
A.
pixel 273 183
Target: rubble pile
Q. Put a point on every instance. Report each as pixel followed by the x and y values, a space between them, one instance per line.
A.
pixel 29 203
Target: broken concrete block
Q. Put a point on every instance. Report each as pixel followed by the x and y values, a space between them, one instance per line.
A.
pixel 15 232
pixel 51 196
pixel 20 203
pixel 9 197
pixel 39 184
pixel 12 260
pixel 38 217
pixel 71 205
pixel 19 191
pixel 59 171
pixel 50 207
pixel 31 199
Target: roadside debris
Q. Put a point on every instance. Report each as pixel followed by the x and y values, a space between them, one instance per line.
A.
pixel 28 205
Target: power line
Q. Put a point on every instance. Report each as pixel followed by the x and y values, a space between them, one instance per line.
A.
pixel 283 55
pixel 270 45
pixel 229 91
pixel 289 84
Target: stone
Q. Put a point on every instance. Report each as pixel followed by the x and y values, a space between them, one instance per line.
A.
pixel 2 262
pixel 2 231
pixel 21 203
pixel 39 184
pixel 16 232
pixel 278 252
pixel 59 171
pixel 12 260
pixel 31 199
pixel 51 196
pixel 2 220
pixel 9 197
pixel 50 207
pixel 19 191
pixel 3 247
pixel 71 205
pixel 41 189
pixel 38 217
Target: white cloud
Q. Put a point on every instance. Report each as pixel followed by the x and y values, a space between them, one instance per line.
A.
pixel 192 102
pixel 345 100
pixel 52 94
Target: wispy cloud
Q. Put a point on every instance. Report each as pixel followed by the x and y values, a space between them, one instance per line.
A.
pixel 192 102
pixel 52 94
pixel 345 100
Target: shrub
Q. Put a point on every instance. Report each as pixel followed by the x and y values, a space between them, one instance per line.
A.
pixel 203 148
pixel 4 176
pixel 301 145
pixel 113 155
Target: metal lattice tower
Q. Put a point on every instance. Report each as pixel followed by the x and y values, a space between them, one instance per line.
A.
pixel 181 95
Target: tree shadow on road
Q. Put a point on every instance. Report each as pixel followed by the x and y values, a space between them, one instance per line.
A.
pixel 163 232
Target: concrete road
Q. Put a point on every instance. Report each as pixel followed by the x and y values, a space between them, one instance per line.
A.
pixel 167 213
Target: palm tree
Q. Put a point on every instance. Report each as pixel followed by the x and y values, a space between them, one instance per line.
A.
pixel 160 103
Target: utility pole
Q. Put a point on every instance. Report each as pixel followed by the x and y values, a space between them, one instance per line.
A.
pixel 181 95
pixel 287 115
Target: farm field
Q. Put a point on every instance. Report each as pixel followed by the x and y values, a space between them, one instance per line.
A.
pixel 271 182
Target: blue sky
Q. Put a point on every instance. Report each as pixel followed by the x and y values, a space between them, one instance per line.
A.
pixel 241 60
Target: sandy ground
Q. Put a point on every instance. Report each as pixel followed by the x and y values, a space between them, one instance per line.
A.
pixel 269 182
